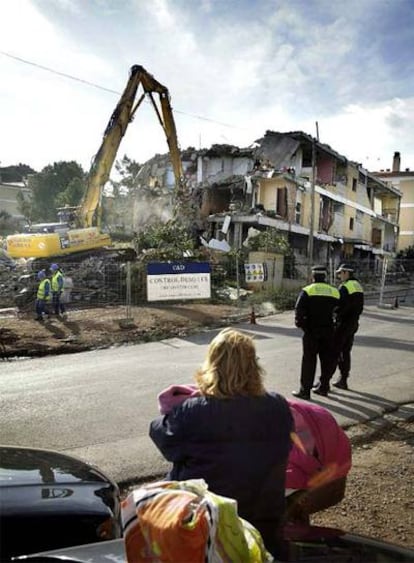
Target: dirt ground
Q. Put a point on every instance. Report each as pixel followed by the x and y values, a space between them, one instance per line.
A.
pixel 94 328
pixel 379 500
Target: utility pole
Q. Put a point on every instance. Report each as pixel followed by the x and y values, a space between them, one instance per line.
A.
pixel 312 210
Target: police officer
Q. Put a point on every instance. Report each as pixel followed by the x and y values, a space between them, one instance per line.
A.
pixel 351 305
pixel 57 289
pixel 314 314
pixel 42 296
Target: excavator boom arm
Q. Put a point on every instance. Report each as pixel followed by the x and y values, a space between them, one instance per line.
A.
pixel 90 209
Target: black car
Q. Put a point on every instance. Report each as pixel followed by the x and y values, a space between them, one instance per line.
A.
pixel 50 500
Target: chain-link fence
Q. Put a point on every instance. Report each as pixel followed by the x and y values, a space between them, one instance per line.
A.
pixel 385 280
pixel 254 279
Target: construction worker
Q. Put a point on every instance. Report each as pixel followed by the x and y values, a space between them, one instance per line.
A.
pixel 43 295
pixel 351 305
pixel 314 314
pixel 57 289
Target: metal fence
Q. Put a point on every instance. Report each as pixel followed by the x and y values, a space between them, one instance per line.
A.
pixel 385 280
pixel 98 282
pixel 118 284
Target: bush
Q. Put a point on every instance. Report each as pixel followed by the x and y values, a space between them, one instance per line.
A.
pixel 270 240
pixel 8 224
pixel 282 299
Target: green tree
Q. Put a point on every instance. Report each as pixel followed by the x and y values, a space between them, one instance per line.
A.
pixel 166 241
pixel 406 258
pixel 15 172
pixel 270 240
pixel 128 170
pixel 136 200
pixel 49 184
pixel 8 225
pixel 24 205
pixel 73 194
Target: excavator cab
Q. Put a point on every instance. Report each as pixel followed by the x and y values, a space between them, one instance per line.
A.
pixel 68 215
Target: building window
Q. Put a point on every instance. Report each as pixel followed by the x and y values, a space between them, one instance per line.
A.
pixel 376 236
pixel 326 214
pixel 281 202
pixel 351 223
pixel 354 184
pixel 298 209
pixel 307 157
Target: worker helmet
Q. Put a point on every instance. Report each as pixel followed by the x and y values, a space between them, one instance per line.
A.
pixel 345 268
pixel 54 267
pixel 41 275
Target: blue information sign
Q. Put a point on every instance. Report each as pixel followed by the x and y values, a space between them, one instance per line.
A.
pixel 157 268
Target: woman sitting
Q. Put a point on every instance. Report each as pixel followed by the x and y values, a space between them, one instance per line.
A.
pixel 233 434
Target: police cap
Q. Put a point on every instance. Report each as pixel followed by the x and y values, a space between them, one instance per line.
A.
pixel 344 268
pixel 319 269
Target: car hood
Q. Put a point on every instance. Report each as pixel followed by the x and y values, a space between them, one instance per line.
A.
pixel 28 466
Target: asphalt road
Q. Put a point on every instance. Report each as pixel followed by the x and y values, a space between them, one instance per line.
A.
pixel 98 405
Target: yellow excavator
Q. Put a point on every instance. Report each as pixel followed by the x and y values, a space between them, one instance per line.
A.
pixel 79 228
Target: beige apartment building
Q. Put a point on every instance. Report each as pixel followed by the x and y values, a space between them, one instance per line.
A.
pixel 403 180
pixel 8 198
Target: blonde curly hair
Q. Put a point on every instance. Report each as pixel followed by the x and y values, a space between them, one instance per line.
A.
pixel 231 367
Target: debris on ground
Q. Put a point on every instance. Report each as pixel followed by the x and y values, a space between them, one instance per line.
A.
pixel 101 327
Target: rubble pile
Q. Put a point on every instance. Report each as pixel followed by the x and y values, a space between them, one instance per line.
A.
pixel 96 279
pixel 13 277
pixel 92 280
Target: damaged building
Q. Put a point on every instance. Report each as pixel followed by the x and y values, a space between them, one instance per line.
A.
pixel 272 184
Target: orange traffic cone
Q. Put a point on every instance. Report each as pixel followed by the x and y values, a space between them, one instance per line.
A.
pixel 252 317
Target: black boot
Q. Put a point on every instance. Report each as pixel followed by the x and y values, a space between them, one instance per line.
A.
pixel 321 390
pixel 341 383
pixel 302 394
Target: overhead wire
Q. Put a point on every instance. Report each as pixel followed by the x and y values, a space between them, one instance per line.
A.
pixel 104 88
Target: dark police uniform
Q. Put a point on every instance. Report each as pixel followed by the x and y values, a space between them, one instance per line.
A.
pixel 314 314
pixel 351 305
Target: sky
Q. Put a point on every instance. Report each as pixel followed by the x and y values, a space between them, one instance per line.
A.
pixel 234 69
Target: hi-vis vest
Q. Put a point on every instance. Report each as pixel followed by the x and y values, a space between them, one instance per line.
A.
pixel 44 287
pixel 56 286
pixel 320 289
pixel 352 286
